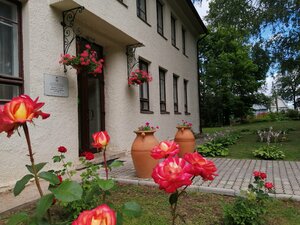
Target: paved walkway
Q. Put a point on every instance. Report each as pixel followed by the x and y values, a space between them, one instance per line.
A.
pixel 234 175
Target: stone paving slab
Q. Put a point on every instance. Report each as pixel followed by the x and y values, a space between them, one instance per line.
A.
pixel 234 175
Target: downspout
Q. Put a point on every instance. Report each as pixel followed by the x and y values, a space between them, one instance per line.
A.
pixel 199 76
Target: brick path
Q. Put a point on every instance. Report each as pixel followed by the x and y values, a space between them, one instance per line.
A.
pixel 234 175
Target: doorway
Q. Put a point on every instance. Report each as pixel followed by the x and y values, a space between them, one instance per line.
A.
pixel 90 100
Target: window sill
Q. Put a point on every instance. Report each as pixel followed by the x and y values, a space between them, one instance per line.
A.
pixel 144 21
pixel 185 55
pixel 164 112
pixel 122 3
pixel 187 113
pixel 177 113
pixel 175 47
pixel 162 35
pixel 146 112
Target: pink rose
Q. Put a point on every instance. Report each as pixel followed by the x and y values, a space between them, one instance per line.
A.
pixel 165 149
pixel 201 166
pixel 172 174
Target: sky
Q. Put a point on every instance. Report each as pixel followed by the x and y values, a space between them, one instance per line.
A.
pixel 202 9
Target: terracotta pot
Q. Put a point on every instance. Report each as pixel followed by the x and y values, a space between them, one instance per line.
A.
pixel 186 140
pixel 140 153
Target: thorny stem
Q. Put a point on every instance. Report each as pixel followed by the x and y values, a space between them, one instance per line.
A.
pixel 105 163
pixel 36 178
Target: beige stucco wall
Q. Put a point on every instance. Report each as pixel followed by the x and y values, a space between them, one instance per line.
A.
pixel 43 44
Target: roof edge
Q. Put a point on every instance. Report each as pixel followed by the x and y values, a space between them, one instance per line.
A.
pixel 192 7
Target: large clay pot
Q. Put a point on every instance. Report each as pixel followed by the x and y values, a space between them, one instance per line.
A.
pixel 140 153
pixel 186 140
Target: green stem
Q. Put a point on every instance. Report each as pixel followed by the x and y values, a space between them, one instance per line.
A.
pixel 36 178
pixel 105 163
pixel 68 173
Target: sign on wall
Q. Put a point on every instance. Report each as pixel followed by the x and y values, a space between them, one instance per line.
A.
pixel 56 85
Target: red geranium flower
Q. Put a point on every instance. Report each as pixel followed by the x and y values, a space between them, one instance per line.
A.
pixel 201 166
pixel 101 139
pixel 62 149
pixel 18 111
pixel 172 174
pixel 102 215
pixel 165 149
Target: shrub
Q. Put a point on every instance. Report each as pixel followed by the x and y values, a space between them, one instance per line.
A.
pixel 212 149
pixel 250 207
pixel 292 114
pixel 269 152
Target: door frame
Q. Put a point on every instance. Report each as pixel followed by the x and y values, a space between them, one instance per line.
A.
pixel 83 109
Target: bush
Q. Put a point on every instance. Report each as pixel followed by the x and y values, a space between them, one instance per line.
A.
pixel 212 149
pixel 269 152
pixel 227 140
pixel 292 114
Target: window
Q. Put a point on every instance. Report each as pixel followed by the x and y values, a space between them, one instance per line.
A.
pixel 175 93
pixel 173 30
pixel 160 18
pixel 11 77
pixel 144 89
pixel 186 108
pixel 162 90
pixel 141 9
pixel 183 41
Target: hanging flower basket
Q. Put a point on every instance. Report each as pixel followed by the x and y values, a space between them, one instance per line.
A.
pixel 85 61
pixel 138 77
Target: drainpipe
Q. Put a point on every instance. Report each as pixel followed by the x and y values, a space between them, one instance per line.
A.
pixel 199 74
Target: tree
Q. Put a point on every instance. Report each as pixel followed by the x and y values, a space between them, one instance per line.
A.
pixel 288 85
pixel 230 78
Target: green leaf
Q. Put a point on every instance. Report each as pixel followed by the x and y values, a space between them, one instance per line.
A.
pixel 20 185
pixel 173 198
pixel 38 167
pixel 18 218
pixel 106 185
pixel 43 205
pixel 56 158
pixel 132 209
pixel 68 191
pixel 115 164
pixel 48 176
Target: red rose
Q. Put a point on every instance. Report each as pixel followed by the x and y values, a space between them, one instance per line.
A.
pixel 101 139
pixel 263 175
pixel 88 155
pixel 18 111
pixel 62 149
pixel 172 174
pixel 201 166
pixel 269 185
pixel 256 174
pixel 102 215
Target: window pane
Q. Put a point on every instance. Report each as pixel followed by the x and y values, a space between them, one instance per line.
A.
pixel 9 49
pixel 141 9
pixel 8 10
pixel 173 31
pixel 8 91
pixel 159 17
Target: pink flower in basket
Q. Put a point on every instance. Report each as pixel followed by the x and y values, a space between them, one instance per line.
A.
pixel 138 77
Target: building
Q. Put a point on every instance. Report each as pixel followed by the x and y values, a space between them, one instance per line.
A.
pixel 278 105
pixel 161 35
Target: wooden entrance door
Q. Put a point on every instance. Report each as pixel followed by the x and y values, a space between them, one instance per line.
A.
pixel 90 100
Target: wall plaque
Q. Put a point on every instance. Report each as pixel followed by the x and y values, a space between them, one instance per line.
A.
pixel 56 85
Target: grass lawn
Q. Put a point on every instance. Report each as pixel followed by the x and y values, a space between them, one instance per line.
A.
pixel 198 208
pixel 248 141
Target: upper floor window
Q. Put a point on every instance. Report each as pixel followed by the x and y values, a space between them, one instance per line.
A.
pixel 141 9
pixel 175 93
pixel 185 85
pixel 11 78
pixel 162 90
pixel 173 30
pixel 183 41
pixel 160 17
pixel 144 89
